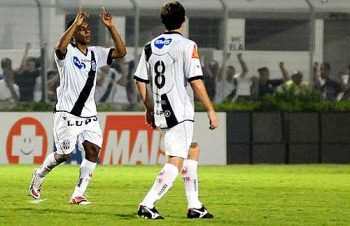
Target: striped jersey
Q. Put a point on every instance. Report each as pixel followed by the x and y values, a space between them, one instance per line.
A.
pixel 169 62
pixel 77 72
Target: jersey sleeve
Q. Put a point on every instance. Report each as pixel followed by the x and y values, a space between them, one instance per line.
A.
pixel 103 55
pixel 60 57
pixel 141 73
pixel 193 68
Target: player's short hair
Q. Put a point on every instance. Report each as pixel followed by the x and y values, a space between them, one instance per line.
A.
pixel 326 65
pixel 173 15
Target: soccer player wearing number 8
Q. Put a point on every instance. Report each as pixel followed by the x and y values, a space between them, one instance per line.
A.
pixel 170 63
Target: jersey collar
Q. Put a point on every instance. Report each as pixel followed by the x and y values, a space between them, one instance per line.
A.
pixel 75 46
pixel 173 32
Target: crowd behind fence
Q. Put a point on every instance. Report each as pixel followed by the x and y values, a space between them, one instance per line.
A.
pixel 243 59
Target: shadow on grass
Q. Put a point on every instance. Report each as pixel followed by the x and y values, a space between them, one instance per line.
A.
pixel 124 216
pixel 127 216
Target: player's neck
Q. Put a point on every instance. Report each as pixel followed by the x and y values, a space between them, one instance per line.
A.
pixel 82 47
pixel 179 30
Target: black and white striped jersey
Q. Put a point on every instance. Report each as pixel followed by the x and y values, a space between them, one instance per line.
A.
pixel 169 62
pixel 77 72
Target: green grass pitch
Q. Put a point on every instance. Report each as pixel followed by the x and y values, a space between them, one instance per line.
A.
pixel 236 195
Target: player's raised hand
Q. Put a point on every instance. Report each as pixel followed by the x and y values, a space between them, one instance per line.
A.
pixel 80 17
pixel 213 120
pixel 106 18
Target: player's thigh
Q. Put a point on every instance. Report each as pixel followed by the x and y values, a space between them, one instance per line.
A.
pixel 177 140
pixel 92 133
pixel 65 136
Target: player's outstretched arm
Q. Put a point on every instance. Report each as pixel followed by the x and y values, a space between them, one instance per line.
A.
pixel 66 38
pixel 284 71
pixel 200 91
pixel 146 100
pixel 243 65
pixel 106 19
pixel 24 58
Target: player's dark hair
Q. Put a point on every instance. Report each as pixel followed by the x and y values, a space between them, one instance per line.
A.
pixel 173 15
pixel 326 65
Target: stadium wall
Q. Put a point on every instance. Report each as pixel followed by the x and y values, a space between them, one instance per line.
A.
pixel 288 138
pixel 26 138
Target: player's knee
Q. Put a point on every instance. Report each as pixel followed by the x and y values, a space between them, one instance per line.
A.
pixel 194 145
pixel 62 158
pixel 91 151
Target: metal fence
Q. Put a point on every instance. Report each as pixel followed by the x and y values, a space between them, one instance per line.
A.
pixel 266 32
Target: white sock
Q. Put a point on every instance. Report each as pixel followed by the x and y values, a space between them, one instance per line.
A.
pixel 190 178
pixel 49 163
pixel 161 185
pixel 86 170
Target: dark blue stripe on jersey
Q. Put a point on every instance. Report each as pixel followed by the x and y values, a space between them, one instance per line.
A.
pixel 85 92
pixel 141 80
pixel 148 51
pixel 195 78
pixel 168 112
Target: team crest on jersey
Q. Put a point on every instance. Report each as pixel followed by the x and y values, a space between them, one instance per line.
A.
pixel 65 144
pixel 79 64
pixel 161 42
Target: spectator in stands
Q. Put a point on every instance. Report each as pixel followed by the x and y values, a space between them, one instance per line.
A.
pixel 328 87
pixel 344 84
pixel 9 91
pixel 110 86
pixel 233 85
pixel 254 88
pixel 267 85
pixel 211 72
pixel 130 84
pixel 53 81
pixel 26 76
pixel 295 81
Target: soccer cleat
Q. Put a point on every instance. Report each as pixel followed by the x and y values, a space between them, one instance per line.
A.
pixel 79 200
pixel 35 185
pixel 199 213
pixel 149 213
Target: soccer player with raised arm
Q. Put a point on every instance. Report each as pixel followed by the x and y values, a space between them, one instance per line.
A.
pixel 75 117
pixel 170 63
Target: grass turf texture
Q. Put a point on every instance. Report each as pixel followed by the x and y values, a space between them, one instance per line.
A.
pixel 236 195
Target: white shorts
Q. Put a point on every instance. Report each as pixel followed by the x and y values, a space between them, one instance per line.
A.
pixel 68 130
pixel 177 140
